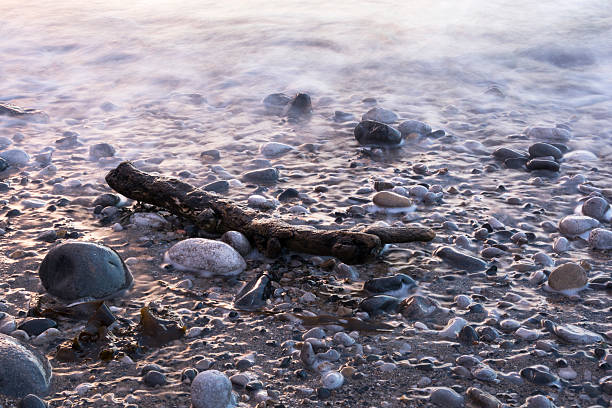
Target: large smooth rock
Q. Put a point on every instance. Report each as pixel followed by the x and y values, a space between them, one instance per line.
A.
pixel 459 259
pixel 23 370
pixel 575 225
pixel 206 257
pixel 75 270
pixel 567 276
pixel 211 389
pixel 391 200
pixel 369 132
pixel 15 157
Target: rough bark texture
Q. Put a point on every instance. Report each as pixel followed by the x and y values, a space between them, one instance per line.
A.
pixel 215 214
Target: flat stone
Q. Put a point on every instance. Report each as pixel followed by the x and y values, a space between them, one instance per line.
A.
pixel 567 276
pixel 23 370
pixel 459 259
pixel 206 257
pixel 75 270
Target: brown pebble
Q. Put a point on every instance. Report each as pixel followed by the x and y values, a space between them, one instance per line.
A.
pixel 567 276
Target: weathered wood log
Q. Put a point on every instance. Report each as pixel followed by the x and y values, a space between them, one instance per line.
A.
pixel 216 214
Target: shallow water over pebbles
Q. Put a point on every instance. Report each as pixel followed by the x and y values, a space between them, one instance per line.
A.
pixel 162 83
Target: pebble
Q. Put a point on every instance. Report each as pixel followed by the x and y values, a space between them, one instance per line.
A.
pixel 576 335
pixel 538 401
pixel 37 325
pixel 575 225
pixel 343 339
pixel 492 252
pixel 238 241
pixel 269 175
pixel 154 378
pixel 601 239
pixel 274 149
pixel 548 134
pixel 460 260
pixel 560 245
pixel 369 132
pixel 398 285
pixel 219 186
pixel 15 157
pixel 205 257
pixel 391 200
pixel 567 276
pixel 211 389
pixel 147 220
pixel 542 164
pixel 453 327
pixel 542 259
pixel 484 373
pixel 74 270
pixel 526 334
pixel 503 153
pixel 483 399
pixel 299 106
pixel 567 373
pixel 414 126
pixel 418 306
pixel 446 398
pixel 261 202
pixel 598 208
pixel 275 103
pixel 332 380
pixel 382 115
pixel 101 150
pixel 463 301
pixel 544 149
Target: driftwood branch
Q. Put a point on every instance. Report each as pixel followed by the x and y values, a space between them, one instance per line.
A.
pixel 215 214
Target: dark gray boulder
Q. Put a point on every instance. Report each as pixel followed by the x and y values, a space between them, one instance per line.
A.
pixel 23 370
pixel 75 270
